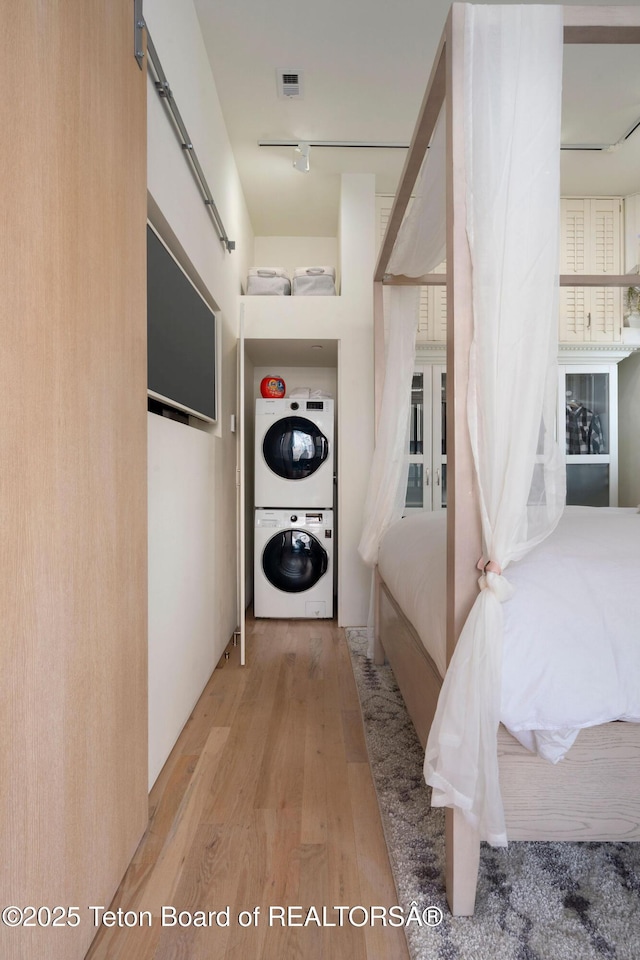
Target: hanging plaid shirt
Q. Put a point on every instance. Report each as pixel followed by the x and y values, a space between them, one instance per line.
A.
pixel 584 430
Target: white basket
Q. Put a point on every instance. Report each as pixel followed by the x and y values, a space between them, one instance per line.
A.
pixel 314 282
pixel 268 282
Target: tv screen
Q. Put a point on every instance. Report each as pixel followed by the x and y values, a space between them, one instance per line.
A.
pixel 181 336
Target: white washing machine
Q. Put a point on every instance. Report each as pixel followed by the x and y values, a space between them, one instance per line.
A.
pixel 294 457
pixel 293 570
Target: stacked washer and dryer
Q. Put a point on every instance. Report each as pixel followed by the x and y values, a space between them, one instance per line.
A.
pixel 294 524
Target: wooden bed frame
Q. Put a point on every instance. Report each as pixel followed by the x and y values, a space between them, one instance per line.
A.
pixel 594 794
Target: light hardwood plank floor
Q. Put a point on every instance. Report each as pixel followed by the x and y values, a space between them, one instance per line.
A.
pixel 266 802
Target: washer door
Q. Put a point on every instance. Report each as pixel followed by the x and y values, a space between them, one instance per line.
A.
pixel 294 560
pixel 294 448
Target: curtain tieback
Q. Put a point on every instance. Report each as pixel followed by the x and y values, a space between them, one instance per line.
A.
pixel 493 580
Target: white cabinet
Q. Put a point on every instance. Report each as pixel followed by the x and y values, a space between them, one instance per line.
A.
pixel 590 243
pixel 588 419
pixel 432 325
pixel 427 481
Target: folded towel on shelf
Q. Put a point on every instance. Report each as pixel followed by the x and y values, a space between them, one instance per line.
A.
pixel 306 393
pixel 268 282
pixel 314 281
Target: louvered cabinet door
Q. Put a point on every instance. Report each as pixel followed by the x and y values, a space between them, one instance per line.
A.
pixel 432 319
pixel 605 256
pixel 437 297
pixel 604 242
pixel 574 310
pixel 383 212
pixel 605 314
pixel 439 313
pixel 574 213
pixel 590 243
pixel 432 325
pixel 590 314
pixel 425 316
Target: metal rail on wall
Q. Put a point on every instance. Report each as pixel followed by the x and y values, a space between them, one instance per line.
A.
pixel 164 92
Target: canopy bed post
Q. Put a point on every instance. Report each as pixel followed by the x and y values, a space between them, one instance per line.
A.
pixel 462 842
pixel 463 522
pixel 429 112
pixel 378 349
pixel 378 382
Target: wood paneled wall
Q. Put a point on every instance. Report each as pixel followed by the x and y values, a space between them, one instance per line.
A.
pixel 73 605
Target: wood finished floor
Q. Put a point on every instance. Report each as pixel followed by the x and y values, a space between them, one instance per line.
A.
pixel 266 801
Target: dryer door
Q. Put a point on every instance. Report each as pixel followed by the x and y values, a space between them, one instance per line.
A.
pixel 294 560
pixel 294 448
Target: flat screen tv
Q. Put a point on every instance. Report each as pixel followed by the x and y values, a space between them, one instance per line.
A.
pixel 181 336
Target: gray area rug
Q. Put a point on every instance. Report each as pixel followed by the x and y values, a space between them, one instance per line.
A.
pixel 535 901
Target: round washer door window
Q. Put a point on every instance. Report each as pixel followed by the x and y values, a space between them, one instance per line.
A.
pixel 294 560
pixel 294 448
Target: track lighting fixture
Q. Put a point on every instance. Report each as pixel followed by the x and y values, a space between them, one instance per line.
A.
pixel 301 157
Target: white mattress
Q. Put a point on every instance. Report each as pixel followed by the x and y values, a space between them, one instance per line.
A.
pixel 571 654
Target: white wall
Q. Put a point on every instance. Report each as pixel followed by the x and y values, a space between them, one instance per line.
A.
pixel 629 431
pixel 181 658
pixel 348 319
pixel 293 252
pixel 181 567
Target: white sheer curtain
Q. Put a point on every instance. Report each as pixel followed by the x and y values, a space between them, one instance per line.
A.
pixel 422 239
pixel 420 247
pixel 513 80
pixel 388 478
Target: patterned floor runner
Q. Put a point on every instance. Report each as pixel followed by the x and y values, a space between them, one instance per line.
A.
pixel 535 901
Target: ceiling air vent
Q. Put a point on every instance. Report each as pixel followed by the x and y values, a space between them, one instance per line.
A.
pixel 289 84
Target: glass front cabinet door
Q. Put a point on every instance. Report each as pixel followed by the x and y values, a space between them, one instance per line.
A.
pixel 427 480
pixel 588 419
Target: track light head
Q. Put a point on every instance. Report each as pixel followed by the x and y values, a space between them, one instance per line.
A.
pixel 301 157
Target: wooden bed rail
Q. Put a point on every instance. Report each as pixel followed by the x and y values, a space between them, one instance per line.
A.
pixel 566 280
pixel 602 24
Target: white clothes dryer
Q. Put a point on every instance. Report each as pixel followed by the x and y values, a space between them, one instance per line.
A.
pixel 294 456
pixel 293 570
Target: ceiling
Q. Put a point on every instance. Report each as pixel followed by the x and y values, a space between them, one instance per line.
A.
pixel 364 66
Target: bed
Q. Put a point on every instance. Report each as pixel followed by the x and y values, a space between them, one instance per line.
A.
pixel 594 792
pixel 571 656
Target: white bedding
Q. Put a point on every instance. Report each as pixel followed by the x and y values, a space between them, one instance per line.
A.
pixel 571 654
